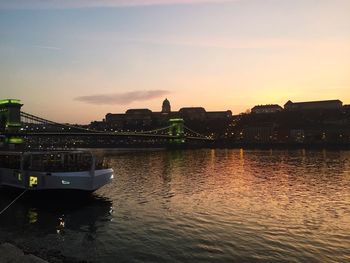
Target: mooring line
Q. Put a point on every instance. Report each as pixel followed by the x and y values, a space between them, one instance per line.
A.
pixel 3 210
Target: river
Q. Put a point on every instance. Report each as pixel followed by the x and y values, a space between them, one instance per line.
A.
pixel 198 206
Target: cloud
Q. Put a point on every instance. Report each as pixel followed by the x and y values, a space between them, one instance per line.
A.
pixel 240 43
pixel 122 98
pixel 65 4
pixel 47 47
pixel 223 43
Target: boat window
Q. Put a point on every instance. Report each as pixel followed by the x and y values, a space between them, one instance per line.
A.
pixel 58 162
pixel 101 163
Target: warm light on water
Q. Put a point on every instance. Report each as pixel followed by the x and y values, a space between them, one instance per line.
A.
pixel 200 206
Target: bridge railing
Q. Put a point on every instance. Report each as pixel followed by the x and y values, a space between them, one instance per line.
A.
pixel 68 129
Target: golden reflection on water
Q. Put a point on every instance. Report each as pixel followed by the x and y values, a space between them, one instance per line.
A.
pixel 292 190
pixel 61 225
pixel 32 216
pixel 286 202
pixel 202 206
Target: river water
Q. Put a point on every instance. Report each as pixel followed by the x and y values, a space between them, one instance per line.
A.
pixel 199 206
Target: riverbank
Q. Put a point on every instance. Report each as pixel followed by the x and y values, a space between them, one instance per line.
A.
pixel 226 144
pixel 10 253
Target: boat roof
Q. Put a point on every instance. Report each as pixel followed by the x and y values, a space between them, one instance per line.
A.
pixel 3 152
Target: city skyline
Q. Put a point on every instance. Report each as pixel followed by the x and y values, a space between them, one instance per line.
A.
pixel 76 61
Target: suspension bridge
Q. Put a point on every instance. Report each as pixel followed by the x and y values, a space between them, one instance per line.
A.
pixel 18 127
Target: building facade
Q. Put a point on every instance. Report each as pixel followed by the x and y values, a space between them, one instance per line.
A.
pixel 145 119
pixel 313 105
pixel 270 108
pixel 346 107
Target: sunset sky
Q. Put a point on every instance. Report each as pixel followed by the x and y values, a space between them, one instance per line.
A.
pixel 76 60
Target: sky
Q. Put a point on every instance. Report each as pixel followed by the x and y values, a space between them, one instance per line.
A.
pixel 76 60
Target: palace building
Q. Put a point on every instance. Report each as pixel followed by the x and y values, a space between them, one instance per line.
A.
pixel 270 108
pixel 314 105
pixel 145 118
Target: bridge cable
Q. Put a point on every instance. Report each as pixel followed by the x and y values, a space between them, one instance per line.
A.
pixel 156 130
pixel 38 119
pixel 196 133
pixel 43 121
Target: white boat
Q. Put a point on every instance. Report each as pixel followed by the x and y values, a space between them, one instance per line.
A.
pixel 53 170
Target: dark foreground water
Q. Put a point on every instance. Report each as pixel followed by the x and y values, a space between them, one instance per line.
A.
pixel 199 206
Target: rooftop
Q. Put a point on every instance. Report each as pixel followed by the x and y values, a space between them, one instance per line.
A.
pixel 267 106
pixel 308 102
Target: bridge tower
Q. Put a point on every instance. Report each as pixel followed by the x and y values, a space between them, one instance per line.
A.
pixel 10 120
pixel 177 129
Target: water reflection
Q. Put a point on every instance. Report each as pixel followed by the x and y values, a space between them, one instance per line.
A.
pixel 252 205
pixel 46 225
pixel 203 206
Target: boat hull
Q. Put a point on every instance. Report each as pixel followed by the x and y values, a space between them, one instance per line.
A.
pixel 86 181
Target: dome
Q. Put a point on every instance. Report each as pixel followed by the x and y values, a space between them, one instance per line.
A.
pixel 166 108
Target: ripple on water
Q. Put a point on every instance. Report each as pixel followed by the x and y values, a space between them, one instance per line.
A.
pixel 201 206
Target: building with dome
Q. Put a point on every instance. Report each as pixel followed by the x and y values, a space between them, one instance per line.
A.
pixel 145 119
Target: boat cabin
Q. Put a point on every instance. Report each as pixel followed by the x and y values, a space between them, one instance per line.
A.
pixel 51 161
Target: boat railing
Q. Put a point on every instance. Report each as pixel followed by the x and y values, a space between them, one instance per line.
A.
pixel 53 161
pixel 59 162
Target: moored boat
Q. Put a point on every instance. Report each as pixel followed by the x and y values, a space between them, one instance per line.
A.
pixel 53 170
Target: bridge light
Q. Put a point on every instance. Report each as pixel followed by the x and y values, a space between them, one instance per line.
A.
pixel 15 140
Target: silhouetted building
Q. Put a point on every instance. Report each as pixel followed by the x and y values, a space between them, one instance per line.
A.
pixel 138 117
pixel 166 108
pixel 346 107
pixel 270 108
pixel 313 105
pixel 113 117
pixel 316 122
pixel 263 133
pixel 192 113
pixel 219 115
pixel 144 119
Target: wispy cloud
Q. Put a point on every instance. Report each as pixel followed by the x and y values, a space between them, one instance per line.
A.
pixel 63 4
pixel 239 43
pixel 122 98
pixel 223 43
pixel 47 47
